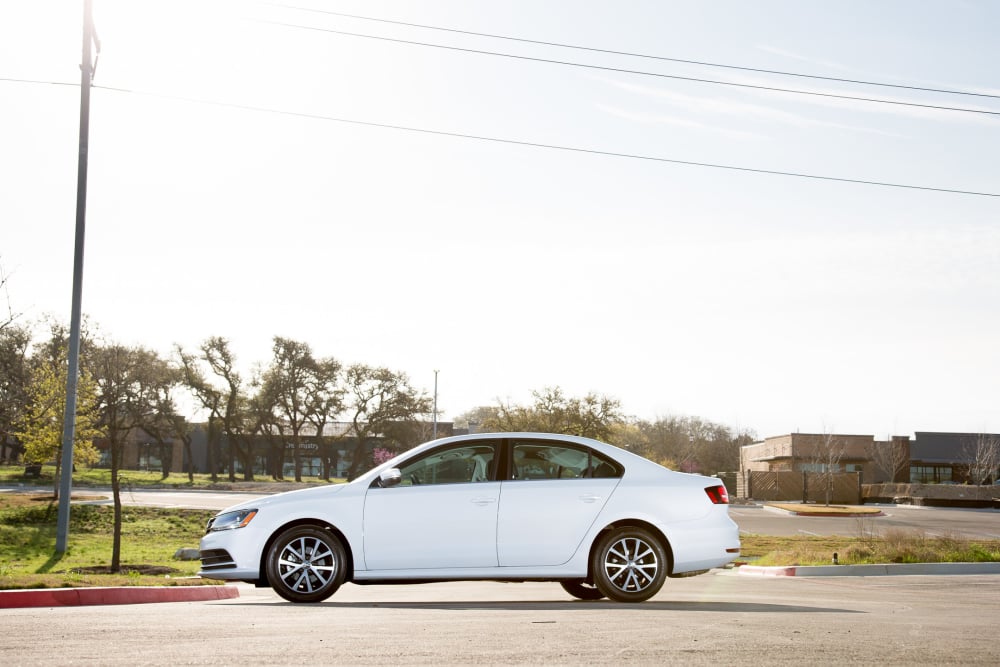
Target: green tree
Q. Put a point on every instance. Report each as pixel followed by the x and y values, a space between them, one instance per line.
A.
pixel 15 380
pixel 41 430
pixel 590 416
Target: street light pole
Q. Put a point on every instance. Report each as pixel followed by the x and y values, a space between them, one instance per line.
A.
pixel 73 371
pixel 435 431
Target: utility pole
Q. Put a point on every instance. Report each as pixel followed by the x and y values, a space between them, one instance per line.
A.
pixel 435 430
pixel 69 422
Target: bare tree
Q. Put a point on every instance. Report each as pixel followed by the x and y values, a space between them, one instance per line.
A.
pixel 378 397
pixel 225 399
pixel 10 316
pixel 291 381
pixel 162 422
pixel 325 400
pixel 983 454
pixel 892 457
pixel 129 381
pixel 828 450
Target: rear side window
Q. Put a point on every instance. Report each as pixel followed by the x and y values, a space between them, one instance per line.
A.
pixel 535 459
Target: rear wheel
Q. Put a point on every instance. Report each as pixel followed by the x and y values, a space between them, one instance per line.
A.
pixel 306 564
pixel 581 590
pixel 629 565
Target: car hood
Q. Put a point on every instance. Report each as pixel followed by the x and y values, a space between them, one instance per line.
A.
pixel 299 495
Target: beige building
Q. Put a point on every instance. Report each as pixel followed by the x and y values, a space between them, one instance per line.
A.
pixel 859 459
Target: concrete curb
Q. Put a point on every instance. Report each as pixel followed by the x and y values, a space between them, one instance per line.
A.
pixel 68 597
pixel 821 513
pixel 888 569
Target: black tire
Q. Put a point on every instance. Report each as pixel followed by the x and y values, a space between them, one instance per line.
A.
pixel 582 590
pixel 629 565
pixel 306 564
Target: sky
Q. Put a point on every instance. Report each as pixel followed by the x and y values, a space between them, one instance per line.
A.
pixel 254 172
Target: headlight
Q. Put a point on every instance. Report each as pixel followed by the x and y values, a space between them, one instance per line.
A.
pixel 230 520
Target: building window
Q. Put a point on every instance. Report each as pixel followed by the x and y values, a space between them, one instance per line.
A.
pixel 819 467
pixel 930 474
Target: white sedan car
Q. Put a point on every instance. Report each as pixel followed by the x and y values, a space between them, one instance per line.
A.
pixel 494 506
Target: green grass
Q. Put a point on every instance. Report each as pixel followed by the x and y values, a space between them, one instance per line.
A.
pixel 868 547
pixel 14 474
pixel 150 537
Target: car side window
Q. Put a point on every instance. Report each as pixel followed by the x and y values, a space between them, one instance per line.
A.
pixel 455 464
pixel 550 460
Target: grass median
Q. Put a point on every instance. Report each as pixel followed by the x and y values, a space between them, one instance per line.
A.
pixel 150 537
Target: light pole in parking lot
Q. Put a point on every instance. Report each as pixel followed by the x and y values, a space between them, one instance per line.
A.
pixel 73 358
pixel 434 431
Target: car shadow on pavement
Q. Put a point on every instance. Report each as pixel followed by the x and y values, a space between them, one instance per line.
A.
pixel 570 605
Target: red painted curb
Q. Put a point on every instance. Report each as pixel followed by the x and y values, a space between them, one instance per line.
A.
pixel 67 597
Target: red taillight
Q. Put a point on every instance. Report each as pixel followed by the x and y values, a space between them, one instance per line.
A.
pixel 718 494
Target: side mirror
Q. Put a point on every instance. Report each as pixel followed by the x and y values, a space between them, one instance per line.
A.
pixel 390 477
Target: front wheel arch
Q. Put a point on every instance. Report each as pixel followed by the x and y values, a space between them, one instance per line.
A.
pixel 263 582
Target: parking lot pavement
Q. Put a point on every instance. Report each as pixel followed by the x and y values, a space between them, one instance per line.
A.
pixel 706 620
pixel 930 521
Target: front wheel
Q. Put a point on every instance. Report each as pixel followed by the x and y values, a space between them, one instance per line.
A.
pixel 581 590
pixel 629 565
pixel 306 564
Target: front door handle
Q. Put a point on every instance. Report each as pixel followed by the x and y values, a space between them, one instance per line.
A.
pixel 483 502
pixel 590 499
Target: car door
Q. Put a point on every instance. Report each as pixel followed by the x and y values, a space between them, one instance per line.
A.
pixel 443 513
pixel 550 501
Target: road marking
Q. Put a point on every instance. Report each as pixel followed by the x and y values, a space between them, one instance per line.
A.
pixel 809 533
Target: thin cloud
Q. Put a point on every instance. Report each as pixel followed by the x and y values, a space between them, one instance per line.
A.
pixel 714 105
pixel 662 119
pixel 806 59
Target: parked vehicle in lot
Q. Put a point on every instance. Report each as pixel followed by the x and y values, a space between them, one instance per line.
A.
pixel 599 520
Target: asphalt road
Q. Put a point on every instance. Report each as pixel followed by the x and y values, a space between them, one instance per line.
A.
pixel 713 619
pixel 933 521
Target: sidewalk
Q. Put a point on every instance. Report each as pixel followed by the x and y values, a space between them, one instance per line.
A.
pixel 881 570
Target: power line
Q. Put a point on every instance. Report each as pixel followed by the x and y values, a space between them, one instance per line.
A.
pixel 644 55
pixel 532 144
pixel 620 70
pixel 46 83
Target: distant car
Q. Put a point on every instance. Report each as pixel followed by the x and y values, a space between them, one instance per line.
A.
pixel 601 521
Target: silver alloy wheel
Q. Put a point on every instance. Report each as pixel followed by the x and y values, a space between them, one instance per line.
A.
pixel 306 564
pixel 631 564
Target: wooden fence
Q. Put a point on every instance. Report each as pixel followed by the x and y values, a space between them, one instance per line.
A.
pixel 845 487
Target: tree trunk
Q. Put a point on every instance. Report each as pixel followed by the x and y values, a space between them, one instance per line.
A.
pixel 297 456
pixel 190 459
pixel 116 543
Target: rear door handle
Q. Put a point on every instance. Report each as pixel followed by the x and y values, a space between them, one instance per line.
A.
pixel 590 499
pixel 483 502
